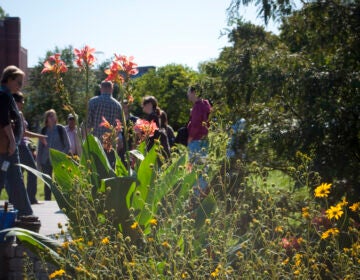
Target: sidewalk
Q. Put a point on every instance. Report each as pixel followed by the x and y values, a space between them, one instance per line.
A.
pixel 49 215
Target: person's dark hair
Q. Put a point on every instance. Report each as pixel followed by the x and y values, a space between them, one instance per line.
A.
pixel 163 119
pixel 151 99
pixel 11 72
pixel 192 88
pixel 196 88
pixel 106 84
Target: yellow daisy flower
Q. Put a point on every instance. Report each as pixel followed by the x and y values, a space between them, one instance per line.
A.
pixel 332 231
pixel 334 212
pixel 105 241
pixel 305 212
pixel 279 229
pixel 355 206
pixel 166 244
pixel 57 273
pixel 343 202
pixel 134 225
pixel 323 190
pixel 153 222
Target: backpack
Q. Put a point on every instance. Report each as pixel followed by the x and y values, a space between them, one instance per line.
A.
pixel 182 136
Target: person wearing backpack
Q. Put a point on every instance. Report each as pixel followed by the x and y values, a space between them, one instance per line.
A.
pixel 57 139
pixel 11 132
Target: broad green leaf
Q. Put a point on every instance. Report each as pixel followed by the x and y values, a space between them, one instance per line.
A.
pixel 94 159
pixel 145 175
pixel 36 242
pixel 120 169
pixel 137 154
pixel 65 170
pixel 116 199
pixel 168 180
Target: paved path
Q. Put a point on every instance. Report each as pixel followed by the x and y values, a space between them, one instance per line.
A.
pixel 49 215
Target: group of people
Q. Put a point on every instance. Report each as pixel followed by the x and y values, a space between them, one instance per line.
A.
pixel 108 107
pixel 14 141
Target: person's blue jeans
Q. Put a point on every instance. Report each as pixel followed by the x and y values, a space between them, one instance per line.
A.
pixel 14 184
pixel 197 155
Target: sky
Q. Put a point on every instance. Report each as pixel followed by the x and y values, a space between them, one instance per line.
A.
pixel 155 32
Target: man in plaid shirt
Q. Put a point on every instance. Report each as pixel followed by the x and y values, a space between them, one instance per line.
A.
pixel 105 106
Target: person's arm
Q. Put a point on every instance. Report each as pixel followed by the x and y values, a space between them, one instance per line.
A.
pixel 10 134
pixel 6 123
pixel 90 120
pixel 39 154
pixel 41 137
pixel 66 141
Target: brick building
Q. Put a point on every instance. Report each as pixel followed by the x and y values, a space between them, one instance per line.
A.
pixel 11 51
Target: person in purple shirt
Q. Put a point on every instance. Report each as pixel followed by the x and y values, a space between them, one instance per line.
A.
pixel 199 116
pixel 198 130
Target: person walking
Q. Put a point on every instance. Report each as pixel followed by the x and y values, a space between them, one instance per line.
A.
pixel 197 129
pixel 11 132
pixel 104 106
pixel 101 106
pixel 57 139
pixel 26 155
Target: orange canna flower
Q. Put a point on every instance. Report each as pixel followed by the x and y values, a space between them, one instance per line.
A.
pixel 85 56
pixel 105 123
pixel 145 127
pixel 118 126
pixel 130 99
pixel 114 73
pixel 129 67
pixel 54 64
pixel 47 67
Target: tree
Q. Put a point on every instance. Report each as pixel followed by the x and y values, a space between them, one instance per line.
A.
pixel 301 90
pixel 328 88
pixel 2 13
pixel 267 9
